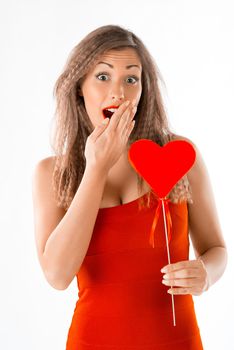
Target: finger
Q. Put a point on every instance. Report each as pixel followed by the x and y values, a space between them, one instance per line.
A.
pixel 182 291
pixel 188 282
pixel 125 121
pixel 184 273
pixel 116 116
pixel 128 130
pixel 179 265
pixel 127 125
pixel 99 129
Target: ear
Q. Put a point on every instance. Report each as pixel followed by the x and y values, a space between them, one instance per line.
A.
pixel 79 91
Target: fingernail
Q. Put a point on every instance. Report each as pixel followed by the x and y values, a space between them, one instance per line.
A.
pixel 105 121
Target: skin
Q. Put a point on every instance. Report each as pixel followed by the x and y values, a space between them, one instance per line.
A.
pixel 196 276
pixel 118 85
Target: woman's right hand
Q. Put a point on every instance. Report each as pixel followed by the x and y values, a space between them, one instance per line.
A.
pixel 107 142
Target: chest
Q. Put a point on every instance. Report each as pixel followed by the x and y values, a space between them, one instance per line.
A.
pixel 121 185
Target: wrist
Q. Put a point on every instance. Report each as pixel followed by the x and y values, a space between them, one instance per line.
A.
pixel 95 170
pixel 207 285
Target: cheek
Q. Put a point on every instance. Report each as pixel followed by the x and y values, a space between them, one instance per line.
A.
pixel 137 95
pixel 91 93
pixel 93 106
pixel 137 92
pixel 92 97
pixel 91 89
pixel 140 91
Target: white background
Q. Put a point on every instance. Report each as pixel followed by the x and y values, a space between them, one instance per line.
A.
pixel 192 43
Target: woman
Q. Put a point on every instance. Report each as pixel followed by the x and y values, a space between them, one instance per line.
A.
pixel 93 212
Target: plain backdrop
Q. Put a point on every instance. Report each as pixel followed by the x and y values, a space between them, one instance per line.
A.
pixel 192 44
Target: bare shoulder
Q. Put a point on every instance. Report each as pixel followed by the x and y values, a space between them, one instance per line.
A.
pixel 42 178
pixel 204 226
pixel 197 175
pixel 42 183
pixel 193 172
pixel 45 164
pixel 47 214
pixel 183 138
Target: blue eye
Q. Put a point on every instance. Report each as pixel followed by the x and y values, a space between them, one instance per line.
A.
pixel 106 75
pixel 100 75
pixel 136 79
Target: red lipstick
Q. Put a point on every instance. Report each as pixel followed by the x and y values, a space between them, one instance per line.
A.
pixel 108 114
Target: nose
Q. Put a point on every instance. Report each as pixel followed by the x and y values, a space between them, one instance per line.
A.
pixel 117 94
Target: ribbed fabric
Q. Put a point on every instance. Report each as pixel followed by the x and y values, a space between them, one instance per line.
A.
pixel 122 303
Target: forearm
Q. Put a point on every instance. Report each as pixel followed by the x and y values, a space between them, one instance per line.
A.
pixel 67 245
pixel 215 260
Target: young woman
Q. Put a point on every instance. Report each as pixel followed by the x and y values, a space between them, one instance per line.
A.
pixel 93 212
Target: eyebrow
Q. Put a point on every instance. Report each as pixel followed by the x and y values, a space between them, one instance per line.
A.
pixel 128 67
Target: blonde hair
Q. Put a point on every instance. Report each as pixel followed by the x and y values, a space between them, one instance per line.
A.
pixel 73 125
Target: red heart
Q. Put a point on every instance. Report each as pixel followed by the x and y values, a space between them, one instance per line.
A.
pixel 161 167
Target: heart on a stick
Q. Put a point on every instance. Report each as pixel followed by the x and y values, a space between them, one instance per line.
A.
pixel 161 167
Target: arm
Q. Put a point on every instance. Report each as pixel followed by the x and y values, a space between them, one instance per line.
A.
pixel 205 230
pixel 196 276
pixel 63 237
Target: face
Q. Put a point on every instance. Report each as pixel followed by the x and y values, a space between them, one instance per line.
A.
pixel 110 83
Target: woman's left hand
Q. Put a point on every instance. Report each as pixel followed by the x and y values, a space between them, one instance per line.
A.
pixel 191 275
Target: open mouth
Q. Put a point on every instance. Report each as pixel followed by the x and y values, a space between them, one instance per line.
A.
pixel 108 112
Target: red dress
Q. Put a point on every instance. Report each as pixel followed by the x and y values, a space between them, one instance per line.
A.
pixel 122 303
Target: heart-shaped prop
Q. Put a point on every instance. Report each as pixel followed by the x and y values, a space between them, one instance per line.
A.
pixel 162 168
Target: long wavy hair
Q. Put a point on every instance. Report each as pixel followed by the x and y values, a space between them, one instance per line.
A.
pixel 72 123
